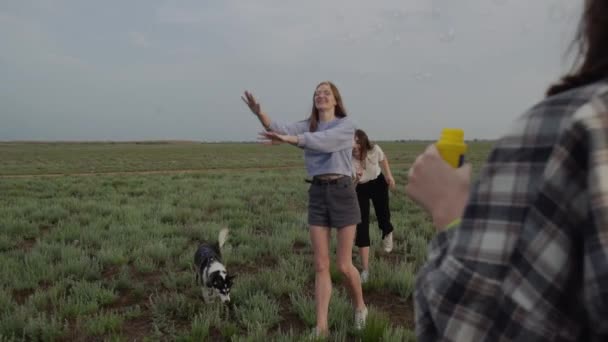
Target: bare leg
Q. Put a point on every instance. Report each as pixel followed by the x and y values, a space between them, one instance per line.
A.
pixel 364 253
pixel 346 237
pixel 319 237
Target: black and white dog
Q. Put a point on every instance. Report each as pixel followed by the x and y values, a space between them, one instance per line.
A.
pixel 210 272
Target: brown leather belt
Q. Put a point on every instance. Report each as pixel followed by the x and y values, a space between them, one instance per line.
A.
pixel 327 179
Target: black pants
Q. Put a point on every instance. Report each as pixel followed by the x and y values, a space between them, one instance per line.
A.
pixel 377 191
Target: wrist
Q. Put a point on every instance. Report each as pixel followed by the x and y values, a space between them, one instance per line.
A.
pixel 448 211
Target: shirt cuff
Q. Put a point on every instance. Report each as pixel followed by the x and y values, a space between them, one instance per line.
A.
pixel 301 140
pixel 439 244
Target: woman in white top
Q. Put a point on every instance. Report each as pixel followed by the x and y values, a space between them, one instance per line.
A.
pixel 374 177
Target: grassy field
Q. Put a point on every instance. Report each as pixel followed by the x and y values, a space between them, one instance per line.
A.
pixel 97 239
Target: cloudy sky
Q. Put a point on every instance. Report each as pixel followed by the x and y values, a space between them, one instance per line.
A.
pixel 159 69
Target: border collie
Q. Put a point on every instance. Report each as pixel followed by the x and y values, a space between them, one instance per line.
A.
pixel 211 274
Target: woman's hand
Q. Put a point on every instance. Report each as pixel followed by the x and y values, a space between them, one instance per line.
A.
pixel 439 188
pixel 273 138
pixel 252 103
pixel 390 181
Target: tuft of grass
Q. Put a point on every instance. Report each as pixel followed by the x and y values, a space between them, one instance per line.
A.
pixel 132 312
pixel 145 265
pixel 123 281
pixel 82 298
pixel 20 228
pixel 112 256
pixel 258 312
pixel 398 334
pixel 304 307
pixel 200 328
pixel 32 325
pixel 7 243
pixel 376 325
pixel 176 280
pixel 399 279
pixel 6 301
pixel 202 323
pixel 229 330
pixel 169 308
pixel 103 323
pixel 341 312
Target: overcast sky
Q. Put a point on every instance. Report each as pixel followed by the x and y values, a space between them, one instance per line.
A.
pixel 155 69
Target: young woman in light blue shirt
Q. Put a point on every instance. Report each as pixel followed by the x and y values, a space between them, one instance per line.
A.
pixel 327 140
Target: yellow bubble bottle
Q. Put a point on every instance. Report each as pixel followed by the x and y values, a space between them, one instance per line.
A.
pixel 451 146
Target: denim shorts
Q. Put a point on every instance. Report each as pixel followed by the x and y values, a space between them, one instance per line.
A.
pixel 333 203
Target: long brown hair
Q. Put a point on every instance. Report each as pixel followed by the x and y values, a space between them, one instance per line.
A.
pixel 340 112
pixel 364 144
pixel 592 48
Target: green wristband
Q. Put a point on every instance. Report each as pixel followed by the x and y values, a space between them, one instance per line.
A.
pixel 453 224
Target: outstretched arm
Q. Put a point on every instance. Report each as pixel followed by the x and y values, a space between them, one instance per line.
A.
pixel 269 125
pixel 272 138
pixel 256 109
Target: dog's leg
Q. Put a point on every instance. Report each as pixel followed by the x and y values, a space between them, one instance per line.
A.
pixel 206 296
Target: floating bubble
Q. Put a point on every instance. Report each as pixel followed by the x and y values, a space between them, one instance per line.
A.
pixel 396 40
pixel 448 36
pixel 436 13
pixel 557 12
pixel 340 18
pixel 350 38
pixel 485 12
pixel 379 27
pixel 421 76
pixel 398 14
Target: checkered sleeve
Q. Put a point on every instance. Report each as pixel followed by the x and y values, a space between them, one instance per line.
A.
pixel 529 262
pixel 594 122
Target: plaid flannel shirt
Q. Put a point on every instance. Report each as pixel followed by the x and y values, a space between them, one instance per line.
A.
pixel 529 261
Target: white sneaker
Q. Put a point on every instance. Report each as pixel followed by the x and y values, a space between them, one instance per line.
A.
pixel 387 242
pixel 360 318
pixel 364 277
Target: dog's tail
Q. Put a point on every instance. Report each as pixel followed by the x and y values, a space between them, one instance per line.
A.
pixel 222 237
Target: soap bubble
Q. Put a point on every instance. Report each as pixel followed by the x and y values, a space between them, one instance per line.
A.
pixel 396 40
pixel 422 76
pixel 448 36
pixel 436 13
pixel 557 12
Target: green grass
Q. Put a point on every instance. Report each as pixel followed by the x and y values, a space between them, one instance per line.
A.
pixel 109 256
pixel 61 158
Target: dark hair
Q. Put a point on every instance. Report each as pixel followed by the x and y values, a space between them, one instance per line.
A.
pixel 364 143
pixel 591 63
pixel 339 109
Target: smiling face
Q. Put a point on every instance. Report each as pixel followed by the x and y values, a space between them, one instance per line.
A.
pixel 324 97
